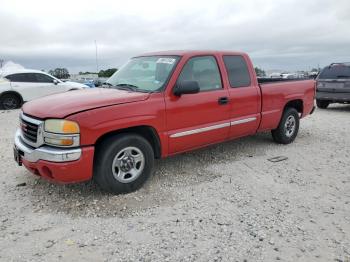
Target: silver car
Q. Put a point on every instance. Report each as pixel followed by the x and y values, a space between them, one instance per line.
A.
pixel 333 85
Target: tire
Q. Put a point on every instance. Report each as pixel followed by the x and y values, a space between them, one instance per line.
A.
pixel 288 127
pixel 323 104
pixel 9 101
pixel 123 163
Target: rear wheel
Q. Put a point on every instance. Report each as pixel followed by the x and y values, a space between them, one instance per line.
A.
pixel 288 127
pixel 323 104
pixel 123 163
pixel 9 101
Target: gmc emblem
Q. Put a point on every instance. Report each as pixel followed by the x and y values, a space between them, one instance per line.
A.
pixel 24 127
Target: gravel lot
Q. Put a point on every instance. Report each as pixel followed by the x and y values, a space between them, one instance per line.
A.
pixel 223 203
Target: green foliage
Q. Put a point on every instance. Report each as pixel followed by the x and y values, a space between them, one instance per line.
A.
pixel 259 72
pixel 107 73
pixel 60 73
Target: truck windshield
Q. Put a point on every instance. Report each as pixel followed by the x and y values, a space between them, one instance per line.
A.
pixel 335 72
pixel 146 73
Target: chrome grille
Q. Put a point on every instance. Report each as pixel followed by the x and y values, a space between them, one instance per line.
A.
pixel 29 130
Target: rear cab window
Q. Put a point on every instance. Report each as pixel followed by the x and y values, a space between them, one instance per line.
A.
pixel 237 70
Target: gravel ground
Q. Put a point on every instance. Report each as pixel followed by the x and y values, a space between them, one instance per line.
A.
pixel 222 203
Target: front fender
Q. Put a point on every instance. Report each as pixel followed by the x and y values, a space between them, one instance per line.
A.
pixel 97 122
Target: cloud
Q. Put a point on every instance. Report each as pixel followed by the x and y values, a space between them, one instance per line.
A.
pixel 288 34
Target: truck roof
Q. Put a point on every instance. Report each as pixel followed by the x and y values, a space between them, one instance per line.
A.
pixel 192 52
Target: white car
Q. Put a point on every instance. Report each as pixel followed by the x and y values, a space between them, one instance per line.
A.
pixel 17 87
pixel 288 76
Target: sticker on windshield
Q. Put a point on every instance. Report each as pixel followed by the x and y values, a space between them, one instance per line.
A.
pixel 166 60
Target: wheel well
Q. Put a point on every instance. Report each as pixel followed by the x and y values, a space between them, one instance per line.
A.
pixel 297 104
pixel 13 93
pixel 147 132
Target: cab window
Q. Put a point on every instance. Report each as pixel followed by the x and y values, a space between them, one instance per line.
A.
pixel 237 70
pixel 204 70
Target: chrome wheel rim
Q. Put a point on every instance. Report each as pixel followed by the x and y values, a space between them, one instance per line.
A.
pixel 128 164
pixel 289 126
pixel 10 103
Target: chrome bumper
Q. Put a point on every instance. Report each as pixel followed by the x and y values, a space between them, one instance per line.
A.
pixel 45 152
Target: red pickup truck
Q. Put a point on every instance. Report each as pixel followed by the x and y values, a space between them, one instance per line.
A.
pixel 155 106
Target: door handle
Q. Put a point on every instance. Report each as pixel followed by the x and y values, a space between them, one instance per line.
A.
pixel 223 100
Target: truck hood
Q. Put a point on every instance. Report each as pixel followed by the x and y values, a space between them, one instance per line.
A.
pixel 64 104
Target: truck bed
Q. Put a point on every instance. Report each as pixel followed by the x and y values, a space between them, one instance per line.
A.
pixel 276 93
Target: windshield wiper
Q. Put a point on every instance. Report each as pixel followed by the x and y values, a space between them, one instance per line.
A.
pixel 106 85
pixel 127 87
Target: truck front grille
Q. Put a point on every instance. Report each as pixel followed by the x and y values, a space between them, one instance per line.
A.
pixel 29 130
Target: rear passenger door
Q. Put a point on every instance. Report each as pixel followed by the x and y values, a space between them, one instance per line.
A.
pixel 244 97
pixel 195 120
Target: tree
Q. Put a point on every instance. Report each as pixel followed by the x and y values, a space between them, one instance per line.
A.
pixel 107 73
pixel 259 72
pixel 60 73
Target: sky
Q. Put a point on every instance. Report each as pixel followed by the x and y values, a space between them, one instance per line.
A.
pixel 285 34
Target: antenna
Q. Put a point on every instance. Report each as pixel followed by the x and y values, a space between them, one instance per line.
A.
pixel 96 57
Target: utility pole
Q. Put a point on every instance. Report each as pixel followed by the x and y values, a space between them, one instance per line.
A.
pixel 96 57
pixel 1 62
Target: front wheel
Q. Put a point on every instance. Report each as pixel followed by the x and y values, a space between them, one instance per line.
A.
pixel 123 163
pixel 288 127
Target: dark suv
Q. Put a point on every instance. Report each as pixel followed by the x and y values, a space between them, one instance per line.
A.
pixel 333 85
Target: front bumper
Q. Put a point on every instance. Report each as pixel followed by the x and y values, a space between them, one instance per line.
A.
pixel 59 165
pixel 45 152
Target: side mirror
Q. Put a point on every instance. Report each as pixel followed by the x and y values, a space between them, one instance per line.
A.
pixel 55 81
pixel 186 87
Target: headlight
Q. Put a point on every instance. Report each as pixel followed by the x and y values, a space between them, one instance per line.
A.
pixel 60 132
pixel 61 126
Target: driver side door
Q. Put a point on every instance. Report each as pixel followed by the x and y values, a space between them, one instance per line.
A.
pixel 196 120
